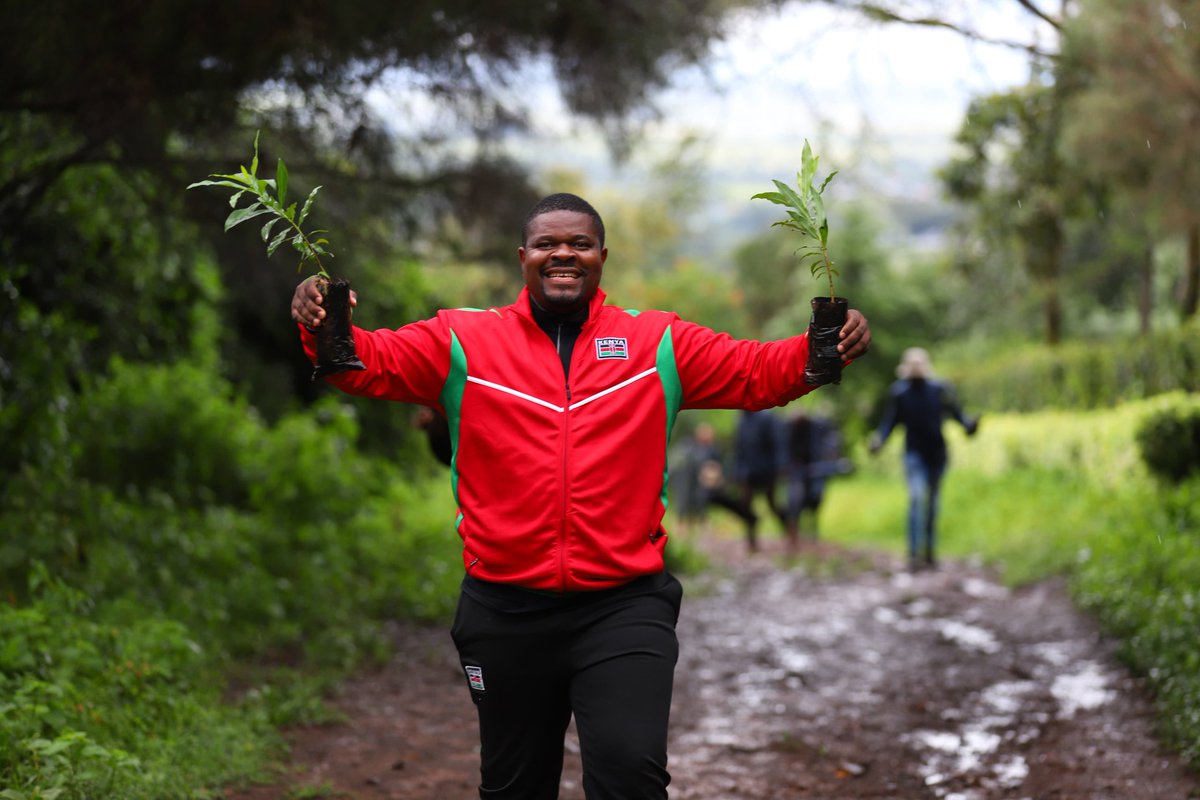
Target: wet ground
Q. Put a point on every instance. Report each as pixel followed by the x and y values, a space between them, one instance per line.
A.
pixel 838 675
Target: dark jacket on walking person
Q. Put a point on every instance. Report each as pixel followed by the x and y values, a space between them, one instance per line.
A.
pixel 759 457
pixel 814 455
pixel 560 409
pixel 921 403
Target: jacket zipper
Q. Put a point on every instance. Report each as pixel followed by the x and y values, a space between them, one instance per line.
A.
pixel 562 531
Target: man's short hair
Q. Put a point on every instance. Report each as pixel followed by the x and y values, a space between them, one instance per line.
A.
pixel 562 201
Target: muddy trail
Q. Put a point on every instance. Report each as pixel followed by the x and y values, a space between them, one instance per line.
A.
pixel 838 675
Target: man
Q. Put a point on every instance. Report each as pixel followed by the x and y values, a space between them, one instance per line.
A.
pixel 758 457
pixel 560 410
pixel 814 456
pixel 920 403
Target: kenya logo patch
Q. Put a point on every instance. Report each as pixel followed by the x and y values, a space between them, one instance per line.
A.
pixel 475 678
pixel 612 347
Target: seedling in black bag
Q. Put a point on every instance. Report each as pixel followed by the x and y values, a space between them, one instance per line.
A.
pixel 806 215
pixel 335 339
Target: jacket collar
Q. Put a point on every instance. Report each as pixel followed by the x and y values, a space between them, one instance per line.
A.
pixel 524 304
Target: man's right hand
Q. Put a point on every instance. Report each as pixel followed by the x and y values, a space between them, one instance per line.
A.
pixel 306 303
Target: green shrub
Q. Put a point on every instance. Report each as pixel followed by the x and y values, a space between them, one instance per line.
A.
pixel 1169 439
pixel 1141 579
pixel 92 707
pixel 1078 374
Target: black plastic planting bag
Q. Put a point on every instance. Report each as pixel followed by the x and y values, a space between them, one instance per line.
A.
pixel 335 338
pixel 824 363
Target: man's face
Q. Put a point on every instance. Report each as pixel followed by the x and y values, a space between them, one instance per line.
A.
pixel 562 260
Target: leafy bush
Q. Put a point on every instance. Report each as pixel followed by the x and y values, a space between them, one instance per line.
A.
pixel 1169 439
pixel 196 541
pixel 175 429
pixel 91 707
pixel 1082 374
pixel 1140 578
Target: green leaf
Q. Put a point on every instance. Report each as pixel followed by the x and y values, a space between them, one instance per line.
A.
pixel 254 163
pixel 281 182
pixel 266 229
pixel 240 215
pixel 808 165
pixel 228 184
pixel 278 240
pixel 312 196
pixel 235 197
pixel 828 178
pixel 774 197
pixel 793 200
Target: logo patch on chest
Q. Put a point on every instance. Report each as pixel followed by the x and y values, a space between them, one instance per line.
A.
pixel 475 678
pixel 612 347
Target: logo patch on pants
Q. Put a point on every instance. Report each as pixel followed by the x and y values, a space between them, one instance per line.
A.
pixel 475 678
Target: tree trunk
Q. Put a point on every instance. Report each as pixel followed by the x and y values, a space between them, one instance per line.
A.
pixel 1052 310
pixel 1146 288
pixel 1191 274
pixel 1052 272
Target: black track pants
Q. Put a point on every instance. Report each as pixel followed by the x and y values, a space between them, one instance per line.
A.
pixel 609 659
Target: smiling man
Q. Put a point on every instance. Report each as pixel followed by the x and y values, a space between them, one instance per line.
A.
pixel 560 409
pixel 563 258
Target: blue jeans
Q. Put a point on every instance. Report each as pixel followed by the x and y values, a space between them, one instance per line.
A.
pixel 924 481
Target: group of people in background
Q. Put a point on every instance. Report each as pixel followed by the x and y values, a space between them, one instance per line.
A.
pixel 803 451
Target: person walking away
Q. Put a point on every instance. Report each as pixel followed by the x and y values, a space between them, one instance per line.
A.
pixel 560 409
pixel 814 454
pixel 921 403
pixel 759 454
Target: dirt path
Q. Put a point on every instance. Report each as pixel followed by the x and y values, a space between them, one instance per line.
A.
pixel 842 676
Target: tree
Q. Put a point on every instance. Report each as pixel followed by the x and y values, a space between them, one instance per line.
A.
pixel 1133 121
pixel 1012 173
pixel 107 110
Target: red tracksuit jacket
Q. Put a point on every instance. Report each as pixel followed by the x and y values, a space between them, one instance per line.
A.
pixel 564 486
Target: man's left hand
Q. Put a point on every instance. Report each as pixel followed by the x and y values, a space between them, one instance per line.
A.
pixel 856 336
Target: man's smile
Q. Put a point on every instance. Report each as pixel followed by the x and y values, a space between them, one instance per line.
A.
pixel 562 275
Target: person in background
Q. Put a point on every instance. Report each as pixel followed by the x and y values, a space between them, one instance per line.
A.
pixel 814 453
pixel 699 469
pixel 759 455
pixel 560 409
pixel 921 403
pixel 437 433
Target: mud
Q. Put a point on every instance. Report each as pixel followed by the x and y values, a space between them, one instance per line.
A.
pixel 836 675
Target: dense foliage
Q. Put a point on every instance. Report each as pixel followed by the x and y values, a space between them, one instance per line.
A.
pixel 1080 374
pixel 181 536
pixel 1169 440
pixel 194 537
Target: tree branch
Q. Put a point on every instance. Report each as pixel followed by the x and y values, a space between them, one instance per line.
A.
pixel 884 14
pixel 1037 12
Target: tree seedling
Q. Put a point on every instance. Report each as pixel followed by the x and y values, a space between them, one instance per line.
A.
pixel 269 197
pixel 806 214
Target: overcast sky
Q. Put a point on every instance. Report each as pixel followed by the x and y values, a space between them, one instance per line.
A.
pixel 811 71
pixel 879 102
